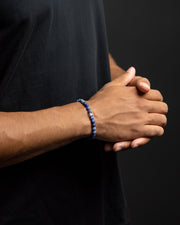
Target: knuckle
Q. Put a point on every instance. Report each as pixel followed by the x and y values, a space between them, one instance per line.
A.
pixel 158 92
pixel 146 107
pixel 139 115
pixel 158 95
pixel 150 132
pixel 145 117
pixel 165 108
pixel 140 119
pixel 164 120
pixel 138 103
pixel 149 119
pixel 156 131
pixel 136 130
pixel 160 131
pixel 144 79
pixel 138 77
pixel 141 104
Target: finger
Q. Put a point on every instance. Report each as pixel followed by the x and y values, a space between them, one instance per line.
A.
pixel 134 80
pixel 152 131
pixel 125 78
pixel 139 142
pixel 157 119
pixel 153 95
pixel 121 145
pixel 141 83
pixel 156 107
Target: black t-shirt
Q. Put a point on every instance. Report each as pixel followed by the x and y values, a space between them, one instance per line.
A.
pixel 53 52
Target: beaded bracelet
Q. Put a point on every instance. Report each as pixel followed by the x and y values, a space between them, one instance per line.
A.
pixel 91 116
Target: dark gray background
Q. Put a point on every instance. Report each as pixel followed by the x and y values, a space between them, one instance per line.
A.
pixel 145 34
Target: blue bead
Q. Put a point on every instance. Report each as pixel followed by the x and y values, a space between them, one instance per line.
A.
pixel 93 124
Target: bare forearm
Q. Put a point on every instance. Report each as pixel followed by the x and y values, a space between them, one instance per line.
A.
pixel 114 68
pixel 24 135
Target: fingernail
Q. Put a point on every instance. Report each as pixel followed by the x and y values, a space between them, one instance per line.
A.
pixel 131 69
pixel 145 85
pixel 135 145
pixel 118 148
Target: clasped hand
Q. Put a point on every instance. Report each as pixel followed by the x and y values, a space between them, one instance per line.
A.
pixel 128 113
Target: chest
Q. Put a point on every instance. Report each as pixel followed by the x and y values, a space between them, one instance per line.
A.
pixel 14 11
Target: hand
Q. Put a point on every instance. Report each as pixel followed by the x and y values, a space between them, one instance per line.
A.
pixel 122 114
pixel 143 85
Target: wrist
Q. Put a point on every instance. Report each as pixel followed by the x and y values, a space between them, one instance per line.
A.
pixel 72 121
pixel 116 71
pixel 91 117
pixel 83 122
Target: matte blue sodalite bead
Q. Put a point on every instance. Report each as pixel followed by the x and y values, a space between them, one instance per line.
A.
pixel 91 117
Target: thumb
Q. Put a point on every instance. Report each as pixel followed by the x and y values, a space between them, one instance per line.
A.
pixel 126 78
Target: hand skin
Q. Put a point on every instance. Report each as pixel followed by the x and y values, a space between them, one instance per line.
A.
pixel 143 85
pixel 128 115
